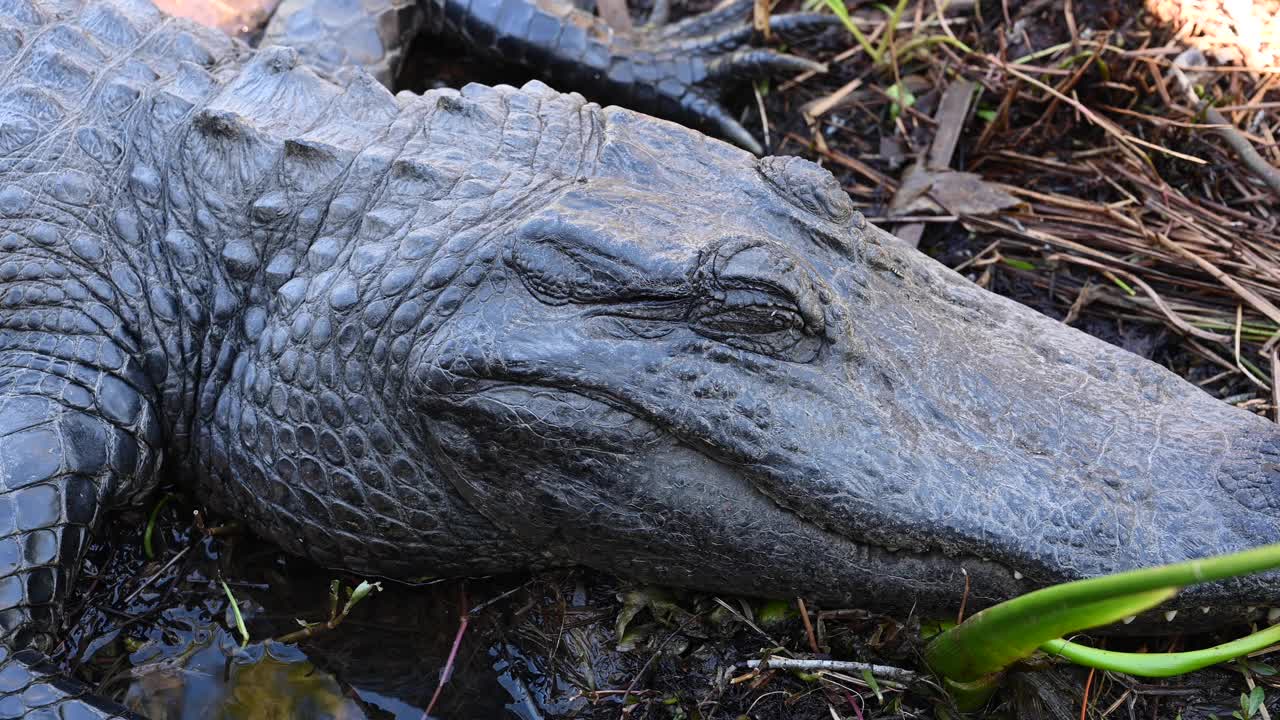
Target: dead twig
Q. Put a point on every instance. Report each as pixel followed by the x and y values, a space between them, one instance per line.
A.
pixel 1243 149
pixel 808 626
pixel 887 672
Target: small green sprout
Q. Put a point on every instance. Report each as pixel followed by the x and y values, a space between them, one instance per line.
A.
pixel 152 521
pixel 235 611
pixel 336 616
pixel 902 98
pixel 1019 264
pixel 1250 705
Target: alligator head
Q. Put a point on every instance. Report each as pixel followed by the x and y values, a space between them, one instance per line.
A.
pixel 629 346
pixel 708 370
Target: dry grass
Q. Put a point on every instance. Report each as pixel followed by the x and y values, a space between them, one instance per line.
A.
pixel 1141 144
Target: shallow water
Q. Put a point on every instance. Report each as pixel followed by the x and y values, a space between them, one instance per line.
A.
pixel 165 638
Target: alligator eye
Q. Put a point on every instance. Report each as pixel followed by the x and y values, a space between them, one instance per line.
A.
pixel 756 321
pixel 808 186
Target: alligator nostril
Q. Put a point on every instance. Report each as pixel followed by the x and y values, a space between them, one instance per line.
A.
pixel 808 186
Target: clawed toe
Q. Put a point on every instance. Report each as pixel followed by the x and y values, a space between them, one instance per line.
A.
pixel 679 69
pixel 714 117
pixel 749 63
pixel 731 24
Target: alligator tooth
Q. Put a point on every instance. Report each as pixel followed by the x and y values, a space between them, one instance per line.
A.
pixel 891 549
pixel 1251 609
pixel 1273 615
pixel 1205 609
pixel 1017 575
pixel 1130 619
pixel 1169 616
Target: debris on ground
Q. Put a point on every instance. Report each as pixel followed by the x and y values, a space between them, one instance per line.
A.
pixel 1117 164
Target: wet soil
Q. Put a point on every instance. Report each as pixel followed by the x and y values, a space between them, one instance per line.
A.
pixel 161 635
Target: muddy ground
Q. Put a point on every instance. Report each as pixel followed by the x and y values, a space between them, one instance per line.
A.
pixel 162 636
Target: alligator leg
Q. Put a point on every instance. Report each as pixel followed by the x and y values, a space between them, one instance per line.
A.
pixel 331 34
pixel 676 71
pixel 72 438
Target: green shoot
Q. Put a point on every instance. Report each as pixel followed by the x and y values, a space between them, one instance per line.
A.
pixel 336 616
pixel 1162 664
pixel 152 521
pixel 870 680
pixel 842 12
pixel 1122 285
pixel 235 611
pixel 972 656
pixel 1250 705
pixel 891 27
pixel 902 98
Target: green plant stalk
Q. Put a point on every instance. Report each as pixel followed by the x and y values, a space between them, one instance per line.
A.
pixel 997 637
pixel 928 41
pixel 1257 371
pixel 992 640
pixel 971 696
pixel 152 521
pixel 1157 665
pixel 1124 286
pixel 1001 646
pixel 891 27
pixel 842 12
pixel 1041 53
pixel 1256 328
pixel 235 611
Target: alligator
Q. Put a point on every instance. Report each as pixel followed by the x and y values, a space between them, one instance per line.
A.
pixel 496 328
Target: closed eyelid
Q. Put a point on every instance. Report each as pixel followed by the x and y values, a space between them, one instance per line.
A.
pixel 748 264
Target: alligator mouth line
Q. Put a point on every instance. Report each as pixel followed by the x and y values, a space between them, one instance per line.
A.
pixel 746 472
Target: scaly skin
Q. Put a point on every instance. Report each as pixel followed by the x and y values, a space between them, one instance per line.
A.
pixel 489 329
pixel 674 71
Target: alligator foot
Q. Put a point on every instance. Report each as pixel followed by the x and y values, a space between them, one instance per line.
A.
pixel 675 70
pixel 693 59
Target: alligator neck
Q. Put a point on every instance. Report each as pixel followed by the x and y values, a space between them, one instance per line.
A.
pixel 224 209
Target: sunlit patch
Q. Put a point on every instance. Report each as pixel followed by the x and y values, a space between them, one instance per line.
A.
pixel 1244 32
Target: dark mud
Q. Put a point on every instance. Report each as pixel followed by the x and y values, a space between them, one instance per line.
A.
pixel 160 634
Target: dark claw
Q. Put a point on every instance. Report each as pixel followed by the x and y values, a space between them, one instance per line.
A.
pixel 719 43
pixel 784 26
pixel 713 115
pixel 749 63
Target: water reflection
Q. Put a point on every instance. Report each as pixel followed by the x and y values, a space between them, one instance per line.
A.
pixel 171 642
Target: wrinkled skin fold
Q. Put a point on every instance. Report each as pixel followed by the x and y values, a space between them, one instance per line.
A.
pixel 491 329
